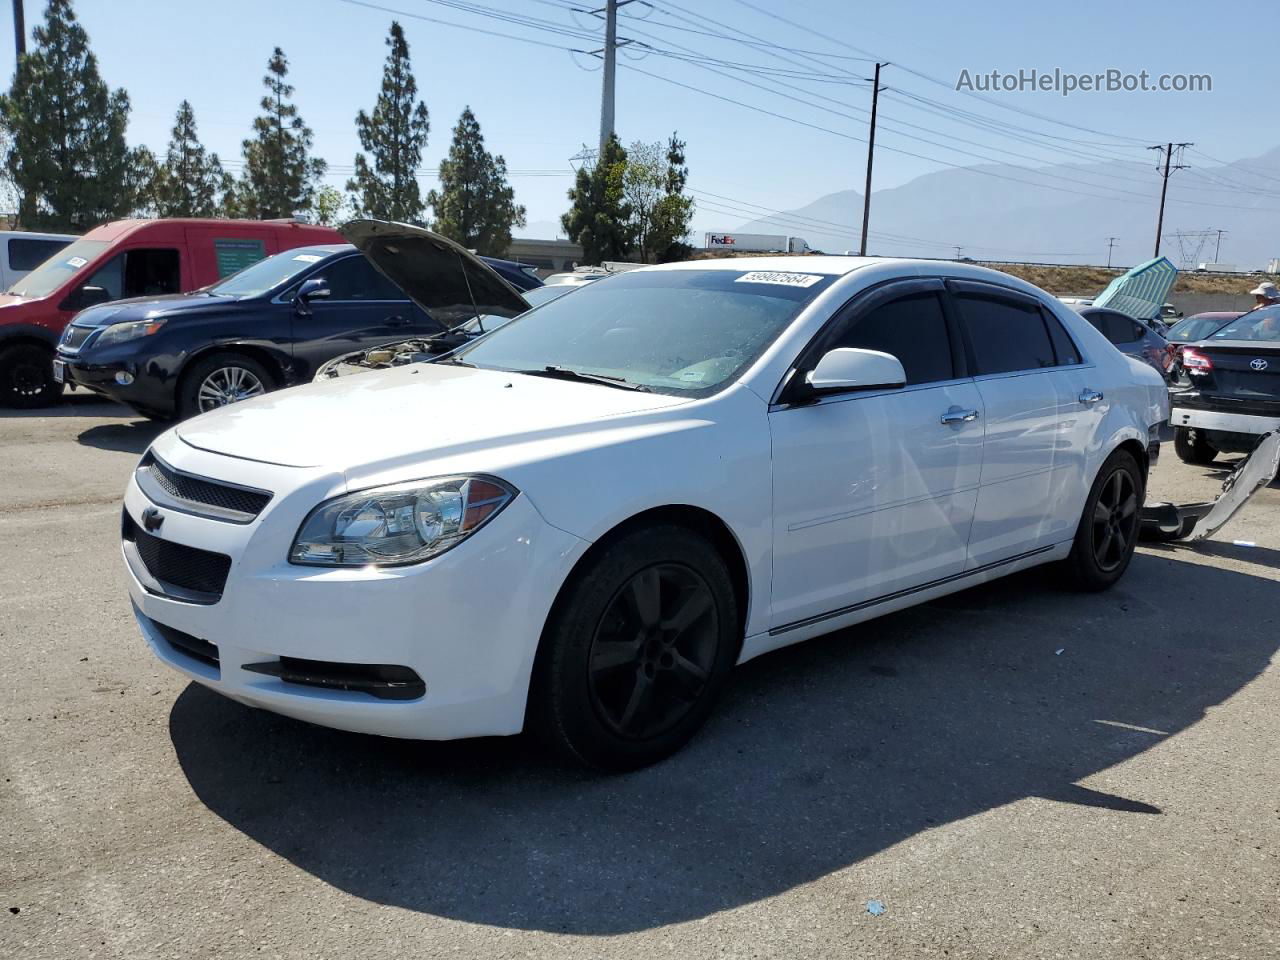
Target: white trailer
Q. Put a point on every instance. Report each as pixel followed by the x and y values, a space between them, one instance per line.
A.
pixel 755 242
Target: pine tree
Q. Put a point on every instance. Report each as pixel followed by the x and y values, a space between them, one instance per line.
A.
pixel 279 176
pixel 190 180
pixel 675 212
pixel 475 205
pixel 68 159
pixel 599 216
pixel 394 135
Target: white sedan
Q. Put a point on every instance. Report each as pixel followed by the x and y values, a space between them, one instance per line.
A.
pixel 579 523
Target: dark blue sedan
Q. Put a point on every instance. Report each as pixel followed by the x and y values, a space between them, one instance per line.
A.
pixel 269 326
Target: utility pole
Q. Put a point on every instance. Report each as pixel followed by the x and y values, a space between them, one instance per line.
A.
pixel 609 54
pixel 958 249
pixel 1111 242
pixel 1217 250
pixel 1169 167
pixel 871 155
pixel 610 70
pixel 19 30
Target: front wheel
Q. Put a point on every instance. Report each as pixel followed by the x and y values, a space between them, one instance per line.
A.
pixel 1192 446
pixel 1108 529
pixel 26 377
pixel 221 379
pixel 637 651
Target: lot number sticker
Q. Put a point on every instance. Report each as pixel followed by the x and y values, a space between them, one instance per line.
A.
pixel 780 277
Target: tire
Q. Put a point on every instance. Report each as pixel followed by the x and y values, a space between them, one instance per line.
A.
pixel 1192 446
pixel 603 700
pixel 1108 528
pixel 232 371
pixel 26 377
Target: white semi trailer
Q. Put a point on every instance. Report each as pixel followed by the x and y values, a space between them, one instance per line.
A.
pixel 755 242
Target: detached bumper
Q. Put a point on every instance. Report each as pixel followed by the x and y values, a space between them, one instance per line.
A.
pixel 465 624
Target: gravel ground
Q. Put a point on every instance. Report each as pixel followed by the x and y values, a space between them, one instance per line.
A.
pixel 1014 771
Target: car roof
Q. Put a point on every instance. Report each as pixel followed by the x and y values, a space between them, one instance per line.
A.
pixel 118 229
pixel 826 265
pixel 880 267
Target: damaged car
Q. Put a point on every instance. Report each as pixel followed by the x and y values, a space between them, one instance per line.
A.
pixel 1234 397
pixel 578 523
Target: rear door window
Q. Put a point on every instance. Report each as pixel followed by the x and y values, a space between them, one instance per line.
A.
pixel 1064 348
pixel 1007 334
pixel 1116 327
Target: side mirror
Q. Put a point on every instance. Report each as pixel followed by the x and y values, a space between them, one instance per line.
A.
pixel 315 288
pixel 852 368
pixel 83 298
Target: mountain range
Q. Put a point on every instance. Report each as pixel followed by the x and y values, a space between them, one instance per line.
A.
pixel 1007 212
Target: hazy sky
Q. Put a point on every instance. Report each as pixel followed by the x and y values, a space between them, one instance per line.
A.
pixel 537 105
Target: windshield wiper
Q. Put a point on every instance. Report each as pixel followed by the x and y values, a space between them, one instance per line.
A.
pixel 564 373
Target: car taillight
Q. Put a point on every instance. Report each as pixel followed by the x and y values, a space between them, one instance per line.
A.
pixel 1195 361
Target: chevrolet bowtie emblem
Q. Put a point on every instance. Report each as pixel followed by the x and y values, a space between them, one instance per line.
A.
pixel 152 519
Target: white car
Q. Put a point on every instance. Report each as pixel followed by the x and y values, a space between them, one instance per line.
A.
pixel 579 523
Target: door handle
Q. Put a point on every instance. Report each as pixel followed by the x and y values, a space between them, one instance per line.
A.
pixel 1089 397
pixel 956 415
pixel 397 321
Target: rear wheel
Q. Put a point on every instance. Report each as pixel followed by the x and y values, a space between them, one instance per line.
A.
pixel 26 376
pixel 1108 529
pixel 1192 446
pixel 221 379
pixel 637 652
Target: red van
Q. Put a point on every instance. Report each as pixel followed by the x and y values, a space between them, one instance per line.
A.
pixel 128 258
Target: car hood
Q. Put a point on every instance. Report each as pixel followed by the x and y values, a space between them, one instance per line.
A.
pixel 422 411
pixel 146 308
pixel 446 280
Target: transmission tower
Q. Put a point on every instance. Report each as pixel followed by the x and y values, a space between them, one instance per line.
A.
pixel 1191 244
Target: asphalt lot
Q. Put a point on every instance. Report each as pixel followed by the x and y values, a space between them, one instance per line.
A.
pixel 1014 771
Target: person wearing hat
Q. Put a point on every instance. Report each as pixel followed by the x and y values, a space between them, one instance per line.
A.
pixel 1265 294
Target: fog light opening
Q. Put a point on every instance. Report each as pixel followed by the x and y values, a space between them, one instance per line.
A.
pixel 124 378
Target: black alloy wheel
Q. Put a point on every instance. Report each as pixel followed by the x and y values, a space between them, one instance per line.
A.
pixel 1115 520
pixel 653 651
pixel 637 649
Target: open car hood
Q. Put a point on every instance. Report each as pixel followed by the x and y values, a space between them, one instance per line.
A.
pixel 444 279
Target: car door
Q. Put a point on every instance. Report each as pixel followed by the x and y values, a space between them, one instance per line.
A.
pixel 1013 358
pixel 1082 405
pixel 364 309
pixel 874 492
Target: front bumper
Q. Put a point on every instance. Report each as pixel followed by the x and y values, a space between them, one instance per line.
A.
pixel 100 378
pixel 467 622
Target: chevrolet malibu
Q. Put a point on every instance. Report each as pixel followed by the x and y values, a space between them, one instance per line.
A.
pixel 578 523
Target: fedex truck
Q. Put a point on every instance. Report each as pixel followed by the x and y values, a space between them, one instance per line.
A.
pixel 756 243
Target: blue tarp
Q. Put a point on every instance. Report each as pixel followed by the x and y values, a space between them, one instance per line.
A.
pixel 1142 291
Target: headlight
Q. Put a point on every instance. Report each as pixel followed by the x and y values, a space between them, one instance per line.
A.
pixel 405 523
pixel 124 332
